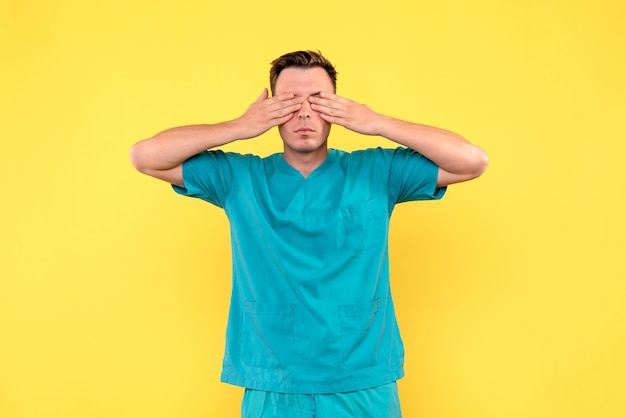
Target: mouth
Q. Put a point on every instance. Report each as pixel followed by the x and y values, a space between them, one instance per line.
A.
pixel 304 130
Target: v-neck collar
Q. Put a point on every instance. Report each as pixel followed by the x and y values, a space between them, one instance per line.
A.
pixel 288 169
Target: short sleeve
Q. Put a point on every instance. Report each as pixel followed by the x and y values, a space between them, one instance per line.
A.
pixel 413 177
pixel 207 176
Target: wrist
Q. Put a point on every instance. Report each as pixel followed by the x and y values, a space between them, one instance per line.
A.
pixel 383 126
pixel 236 129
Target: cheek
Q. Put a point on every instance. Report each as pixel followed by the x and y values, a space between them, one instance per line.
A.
pixel 286 128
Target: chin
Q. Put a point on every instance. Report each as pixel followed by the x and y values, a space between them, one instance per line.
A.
pixel 305 145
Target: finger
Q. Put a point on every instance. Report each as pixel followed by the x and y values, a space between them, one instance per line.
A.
pixel 283 119
pixel 321 103
pixel 288 110
pixel 333 119
pixel 332 96
pixel 293 103
pixel 279 115
pixel 328 108
pixel 283 96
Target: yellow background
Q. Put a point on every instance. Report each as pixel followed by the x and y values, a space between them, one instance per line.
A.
pixel 510 292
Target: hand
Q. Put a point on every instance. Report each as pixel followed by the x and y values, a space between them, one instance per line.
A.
pixel 347 113
pixel 265 113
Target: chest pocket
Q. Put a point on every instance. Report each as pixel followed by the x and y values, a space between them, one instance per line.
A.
pixel 365 225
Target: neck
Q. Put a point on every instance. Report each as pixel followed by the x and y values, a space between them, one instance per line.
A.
pixel 305 162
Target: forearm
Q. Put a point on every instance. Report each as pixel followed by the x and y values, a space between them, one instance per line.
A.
pixel 172 147
pixel 448 150
pixel 451 152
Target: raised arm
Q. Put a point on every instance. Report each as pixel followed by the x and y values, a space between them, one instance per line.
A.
pixel 162 155
pixel 457 158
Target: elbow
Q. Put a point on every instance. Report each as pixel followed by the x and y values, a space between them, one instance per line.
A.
pixel 480 162
pixel 136 155
pixel 476 163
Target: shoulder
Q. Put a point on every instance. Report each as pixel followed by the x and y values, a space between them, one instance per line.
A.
pixel 229 158
pixel 377 152
pixel 220 163
pixel 378 155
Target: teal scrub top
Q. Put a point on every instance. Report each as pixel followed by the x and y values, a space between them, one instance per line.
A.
pixel 311 309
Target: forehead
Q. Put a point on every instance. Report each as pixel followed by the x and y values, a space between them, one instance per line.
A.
pixel 303 81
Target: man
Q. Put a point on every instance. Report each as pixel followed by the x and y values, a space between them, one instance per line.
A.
pixel 311 329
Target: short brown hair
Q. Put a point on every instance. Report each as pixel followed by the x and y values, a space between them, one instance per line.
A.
pixel 301 59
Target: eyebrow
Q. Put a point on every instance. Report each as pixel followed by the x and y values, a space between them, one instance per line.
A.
pixel 312 94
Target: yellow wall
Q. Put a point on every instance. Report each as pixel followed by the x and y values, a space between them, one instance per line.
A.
pixel 510 292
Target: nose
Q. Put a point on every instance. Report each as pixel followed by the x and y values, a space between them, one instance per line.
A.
pixel 305 110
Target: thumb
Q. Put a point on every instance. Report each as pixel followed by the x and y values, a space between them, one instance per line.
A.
pixel 262 97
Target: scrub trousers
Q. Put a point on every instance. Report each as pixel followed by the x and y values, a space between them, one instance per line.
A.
pixel 378 402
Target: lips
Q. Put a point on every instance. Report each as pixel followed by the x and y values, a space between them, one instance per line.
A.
pixel 304 129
